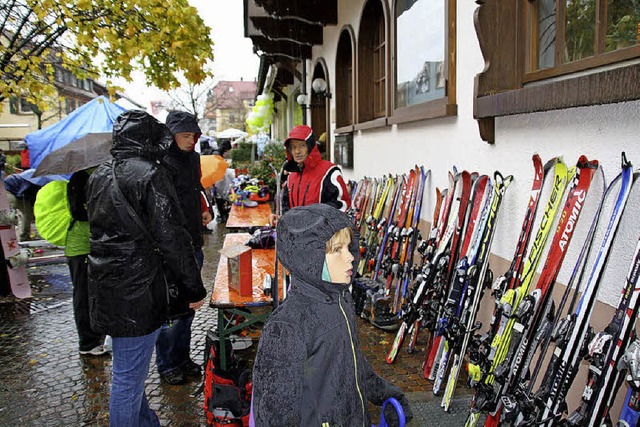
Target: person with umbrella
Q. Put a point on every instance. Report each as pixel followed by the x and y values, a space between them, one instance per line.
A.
pixel 174 342
pixel 61 219
pixel 22 195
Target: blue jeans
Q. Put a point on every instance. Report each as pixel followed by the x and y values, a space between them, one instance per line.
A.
pixel 129 406
pixel 174 342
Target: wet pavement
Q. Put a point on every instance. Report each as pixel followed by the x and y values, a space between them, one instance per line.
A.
pixel 45 382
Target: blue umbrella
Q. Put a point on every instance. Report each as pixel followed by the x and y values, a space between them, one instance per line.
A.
pixel 41 180
pixel 95 116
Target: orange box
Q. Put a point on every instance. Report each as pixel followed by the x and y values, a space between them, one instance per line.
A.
pixel 239 268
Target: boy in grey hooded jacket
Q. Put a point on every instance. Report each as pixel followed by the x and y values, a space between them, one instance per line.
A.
pixel 309 370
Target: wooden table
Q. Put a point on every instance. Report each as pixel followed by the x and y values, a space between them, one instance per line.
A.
pixel 227 300
pixel 243 217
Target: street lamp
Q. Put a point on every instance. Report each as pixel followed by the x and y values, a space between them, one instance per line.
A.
pixel 319 86
pixel 302 100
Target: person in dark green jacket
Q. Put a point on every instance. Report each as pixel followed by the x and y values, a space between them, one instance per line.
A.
pixel 77 250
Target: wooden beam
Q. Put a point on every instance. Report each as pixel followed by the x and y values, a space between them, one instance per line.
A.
pixel 609 86
pixel 324 12
pixel 289 29
pixel 284 47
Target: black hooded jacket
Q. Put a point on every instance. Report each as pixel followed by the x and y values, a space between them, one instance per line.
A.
pixel 127 288
pixel 184 170
pixel 185 173
pixel 309 369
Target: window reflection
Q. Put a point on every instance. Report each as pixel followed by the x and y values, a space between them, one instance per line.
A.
pixel 546 33
pixel 420 41
pixel 623 24
pixel 580 29
pixel 577 38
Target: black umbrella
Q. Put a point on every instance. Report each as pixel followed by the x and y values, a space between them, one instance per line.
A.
pixel 83 153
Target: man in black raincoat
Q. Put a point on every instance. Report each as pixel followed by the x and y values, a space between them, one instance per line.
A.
pixel 309 369
pixel 137 232
pixel 174 342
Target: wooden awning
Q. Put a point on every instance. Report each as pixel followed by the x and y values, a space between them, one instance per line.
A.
pixel 323 12
pixel 283 33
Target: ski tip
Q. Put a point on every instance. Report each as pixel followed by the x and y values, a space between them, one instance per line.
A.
pixel 501 180
pixel 625 162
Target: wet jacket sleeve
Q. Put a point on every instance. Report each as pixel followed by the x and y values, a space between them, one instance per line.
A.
pixel 285 198
pixel 378 388
pixel 334 190
pixel 168 226
pixel 278 376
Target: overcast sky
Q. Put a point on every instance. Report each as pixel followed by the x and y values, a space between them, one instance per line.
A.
pixel 234 57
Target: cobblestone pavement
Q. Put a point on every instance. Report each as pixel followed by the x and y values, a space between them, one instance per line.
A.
pixel 45 382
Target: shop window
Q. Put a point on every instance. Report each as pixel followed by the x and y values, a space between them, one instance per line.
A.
pixel 569 35
pixel 424 78
pixel 344 80
pixel 420 34
pixel 593 44
pixel 372 64
pixel 343 150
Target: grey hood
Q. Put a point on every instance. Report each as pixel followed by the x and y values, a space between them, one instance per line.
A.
pixel 302 235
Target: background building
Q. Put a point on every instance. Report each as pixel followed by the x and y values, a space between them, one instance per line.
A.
pixel 18 117
pixel 228 104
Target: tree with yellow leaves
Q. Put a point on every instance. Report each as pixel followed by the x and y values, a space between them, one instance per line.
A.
pixel 112 38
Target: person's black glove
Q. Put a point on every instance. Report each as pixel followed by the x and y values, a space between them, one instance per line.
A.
pixel 391 415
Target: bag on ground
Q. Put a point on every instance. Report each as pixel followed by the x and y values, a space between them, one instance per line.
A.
pixel 227 393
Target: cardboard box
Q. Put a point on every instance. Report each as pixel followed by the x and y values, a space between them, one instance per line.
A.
pixel 239 268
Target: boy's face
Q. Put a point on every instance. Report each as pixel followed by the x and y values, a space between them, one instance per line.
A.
pixel 298 150
pixel 185 140
pixel 340 261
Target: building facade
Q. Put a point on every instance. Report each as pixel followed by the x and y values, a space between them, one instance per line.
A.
pixel 479 86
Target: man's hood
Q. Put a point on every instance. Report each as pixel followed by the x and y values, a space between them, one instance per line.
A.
pixel 181 121
pixel 138 134
pixel 302 235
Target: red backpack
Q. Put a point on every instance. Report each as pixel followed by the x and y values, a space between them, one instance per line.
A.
pixel 227 393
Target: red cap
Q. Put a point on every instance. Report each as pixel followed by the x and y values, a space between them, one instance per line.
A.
pixel 303 133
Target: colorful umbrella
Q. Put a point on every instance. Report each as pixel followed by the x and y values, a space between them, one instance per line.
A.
pixel 85 152
pixel 213 168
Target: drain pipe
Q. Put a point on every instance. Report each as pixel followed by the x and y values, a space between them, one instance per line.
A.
pixel 304 91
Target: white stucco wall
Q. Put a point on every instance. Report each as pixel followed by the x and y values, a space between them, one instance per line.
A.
pixel 599 132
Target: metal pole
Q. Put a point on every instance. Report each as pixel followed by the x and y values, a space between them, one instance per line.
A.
pixel 304 90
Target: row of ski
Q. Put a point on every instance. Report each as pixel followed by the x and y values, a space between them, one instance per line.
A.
pixel 524 363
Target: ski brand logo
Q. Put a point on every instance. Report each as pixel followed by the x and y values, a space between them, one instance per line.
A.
pixel 518 359
pixel 558 186
pixel 573 218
